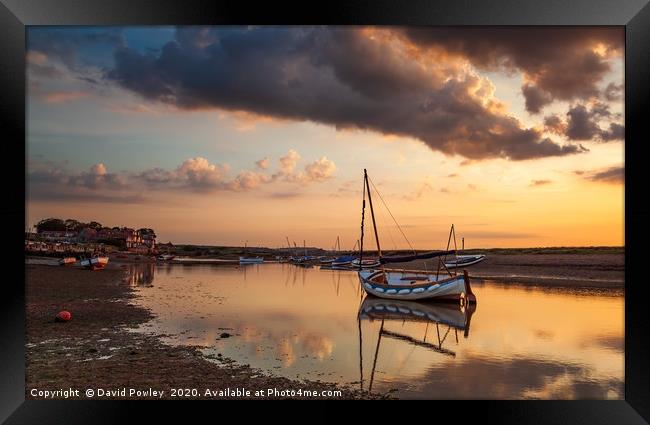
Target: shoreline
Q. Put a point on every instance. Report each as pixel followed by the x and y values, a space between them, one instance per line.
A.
pixel 97 350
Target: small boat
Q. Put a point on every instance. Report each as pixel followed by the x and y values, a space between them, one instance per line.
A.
pixel 67 261
pixel 165 257
pixel 464 261
pixel 251 260
pixel 411 285
pixel 344 260
pixel 94 263
pixel 368 263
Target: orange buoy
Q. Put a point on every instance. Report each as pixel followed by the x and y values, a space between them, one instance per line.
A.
pixel 63 316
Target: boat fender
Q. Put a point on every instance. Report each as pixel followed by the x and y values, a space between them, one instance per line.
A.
pixel 63 316
pixel 391 291
pixel 418 290
pixel 404 291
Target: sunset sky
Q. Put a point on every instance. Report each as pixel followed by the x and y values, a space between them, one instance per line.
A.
pixel 222 135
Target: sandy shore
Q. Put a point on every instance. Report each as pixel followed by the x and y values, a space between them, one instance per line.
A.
pixel 561 270
pixel 95 350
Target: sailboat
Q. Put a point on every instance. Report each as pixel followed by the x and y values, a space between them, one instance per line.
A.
pixel 411 285
pixel 330 260
pixel 250 260
pixel 464 260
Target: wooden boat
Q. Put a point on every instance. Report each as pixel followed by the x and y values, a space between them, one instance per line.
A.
pixel 67 261
pixel 368 263
pixel 396 284
pixel 464 261
pixel 94 263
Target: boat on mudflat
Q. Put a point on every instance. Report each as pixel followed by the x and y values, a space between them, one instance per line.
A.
pixel 443 284
pixel 366 263
pixel 67 261
pixel 464 261
pixel 94 263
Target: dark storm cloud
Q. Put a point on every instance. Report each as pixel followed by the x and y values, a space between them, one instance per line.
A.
pixel 615 132
pixel 559 63
pixel 334 76
pixel 536 98
pixel 582 124
pixel 614 175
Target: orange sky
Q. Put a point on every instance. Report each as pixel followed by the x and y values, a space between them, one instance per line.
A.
pixel 521 154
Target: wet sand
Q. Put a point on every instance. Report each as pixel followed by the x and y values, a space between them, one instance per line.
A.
pixel 553 270
pixel 95 349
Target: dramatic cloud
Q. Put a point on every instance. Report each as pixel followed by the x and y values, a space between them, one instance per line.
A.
pixel 582 124
pixel 613 175
pixel 536 98
pixel 560 63
pixel 369 79
pixel 554 124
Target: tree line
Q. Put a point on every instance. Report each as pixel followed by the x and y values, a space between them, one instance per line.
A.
pixel 57 224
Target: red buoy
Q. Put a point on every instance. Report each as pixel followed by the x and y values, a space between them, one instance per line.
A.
pixel 63 316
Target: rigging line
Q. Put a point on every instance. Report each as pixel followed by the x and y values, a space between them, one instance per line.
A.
pixel 391 214
pixel 385 223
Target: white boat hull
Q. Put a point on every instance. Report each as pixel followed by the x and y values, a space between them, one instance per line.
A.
pixel 398 286
pixel 473 260
pixel 251 260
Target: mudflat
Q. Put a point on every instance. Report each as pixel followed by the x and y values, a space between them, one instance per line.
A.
pixel 562 270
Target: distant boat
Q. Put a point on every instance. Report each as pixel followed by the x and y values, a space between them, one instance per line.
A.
pixel 411 285
pixel 464 261
pixel 343 260
pixel 368 263
pixel 165 257
pixel 251 260
pixel 67 261
pixel 95 263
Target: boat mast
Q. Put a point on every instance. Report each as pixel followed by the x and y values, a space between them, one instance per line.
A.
pixel 363 213
pixel 372 213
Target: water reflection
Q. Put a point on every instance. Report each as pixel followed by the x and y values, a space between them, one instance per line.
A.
pixel 140 274
pixel 445 318
pixel 315 324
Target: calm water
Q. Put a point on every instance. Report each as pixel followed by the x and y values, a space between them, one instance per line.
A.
pixel 307 323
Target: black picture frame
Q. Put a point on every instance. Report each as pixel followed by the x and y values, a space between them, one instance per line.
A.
pixel 634 15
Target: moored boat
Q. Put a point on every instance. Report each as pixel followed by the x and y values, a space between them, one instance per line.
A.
pixel 251 260
pixel 464 261
pixel 368 263
pixel 94 263
pixel 67 261
pixel 411 285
